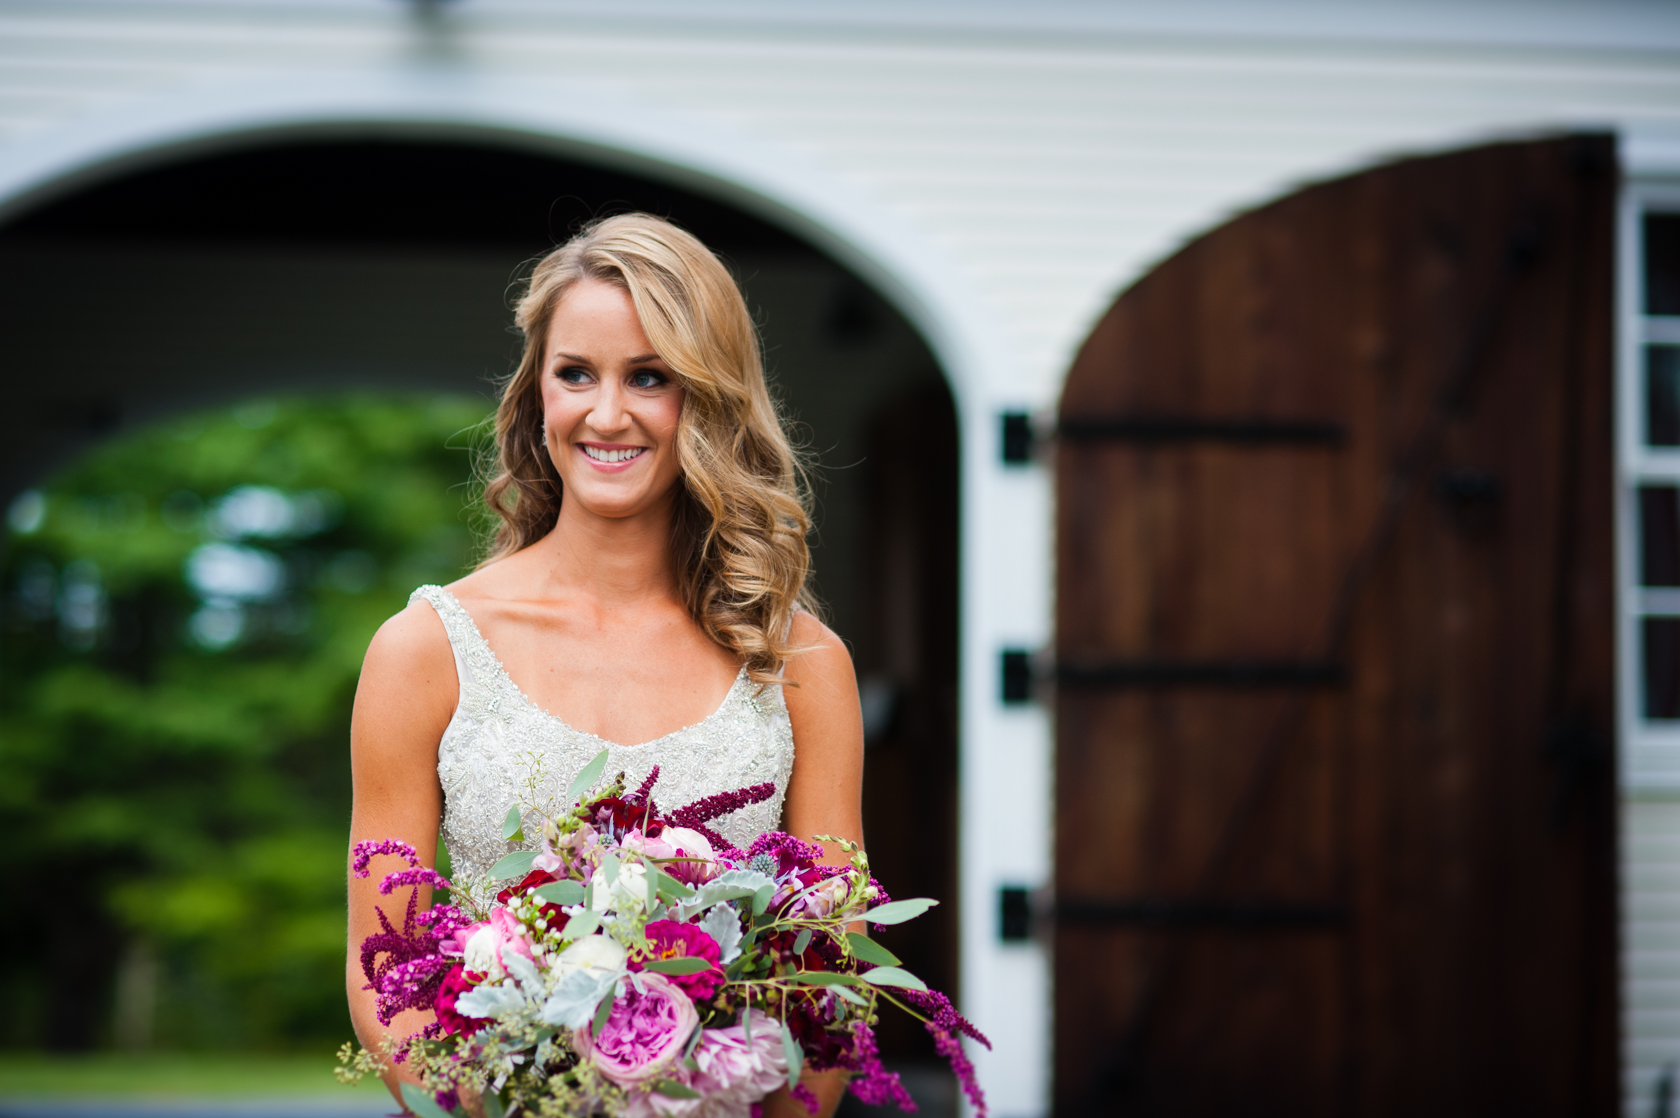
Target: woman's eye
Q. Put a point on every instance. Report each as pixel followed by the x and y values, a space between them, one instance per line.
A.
pixel 646 379
pixel 574 375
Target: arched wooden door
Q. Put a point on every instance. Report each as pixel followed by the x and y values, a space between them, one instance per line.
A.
pixel 1334 658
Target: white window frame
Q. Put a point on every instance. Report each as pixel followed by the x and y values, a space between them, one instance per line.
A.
pixel 1650 754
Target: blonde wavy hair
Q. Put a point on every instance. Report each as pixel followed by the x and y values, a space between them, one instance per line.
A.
pixel 743 507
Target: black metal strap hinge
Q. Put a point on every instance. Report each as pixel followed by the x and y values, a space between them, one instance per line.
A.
pixel 1157 912
pixel 1022 671
pixel 1022 433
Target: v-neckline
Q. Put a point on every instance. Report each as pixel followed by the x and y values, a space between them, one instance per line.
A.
pixel 507 679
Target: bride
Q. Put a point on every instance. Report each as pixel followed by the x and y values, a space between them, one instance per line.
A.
pixel 643 595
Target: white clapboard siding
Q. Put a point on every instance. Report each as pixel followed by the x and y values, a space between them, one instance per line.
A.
pixel 1650 946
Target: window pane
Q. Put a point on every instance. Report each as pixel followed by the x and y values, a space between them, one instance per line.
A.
pixel 1662 263
pixel 1662 667
pixel 1659 535
pixel 1662 395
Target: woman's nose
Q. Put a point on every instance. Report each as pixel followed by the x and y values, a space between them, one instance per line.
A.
pixel 609 414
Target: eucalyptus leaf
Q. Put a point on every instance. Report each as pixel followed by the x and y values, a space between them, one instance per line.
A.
pixel 802 941
pixel 893 976
pixel 585 779
pixel 746 1022
pixel 671 1089
pixel 513 827
pixel 609 869
pixel 868 950
pixel 569 893
pixel 517 864
pixel 795 1056
pixel 850 996
pixel 602 1012
pixel 493 1107
pixel 420 1100
pixel 897 912
pixel 681 965
pixel 761 899
pixel 672 889
pixel 581 925
pixel 823 978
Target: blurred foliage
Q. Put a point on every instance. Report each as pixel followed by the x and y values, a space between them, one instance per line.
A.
pixel 183 619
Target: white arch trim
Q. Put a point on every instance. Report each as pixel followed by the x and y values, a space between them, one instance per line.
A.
pixel 553 115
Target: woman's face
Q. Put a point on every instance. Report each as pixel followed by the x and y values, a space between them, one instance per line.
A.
pixel 610 404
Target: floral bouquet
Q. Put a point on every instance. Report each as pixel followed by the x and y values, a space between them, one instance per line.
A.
pixel 639 966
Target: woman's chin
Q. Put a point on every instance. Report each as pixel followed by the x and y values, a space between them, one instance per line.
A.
pixel 613 504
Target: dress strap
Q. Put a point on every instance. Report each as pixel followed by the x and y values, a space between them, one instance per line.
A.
pixel 458 624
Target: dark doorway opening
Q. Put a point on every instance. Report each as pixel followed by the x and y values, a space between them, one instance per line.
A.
pixel 277 267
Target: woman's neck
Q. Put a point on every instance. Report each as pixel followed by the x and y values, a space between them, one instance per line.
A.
pixel 611 559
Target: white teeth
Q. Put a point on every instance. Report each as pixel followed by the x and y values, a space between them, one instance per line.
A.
pixel 612 455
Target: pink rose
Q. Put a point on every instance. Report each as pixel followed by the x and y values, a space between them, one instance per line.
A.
pixel 731 1073
pixel 677 842
pixel 668 939
pixel 484 946
pixel 649 847
pixel 645 1033
pixel 690 844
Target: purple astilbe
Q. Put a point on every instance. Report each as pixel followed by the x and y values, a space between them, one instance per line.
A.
pixel 721 846
pixel 802 1094
pixel 420 875
pixel 645 790
pixel 872 1083
pixel 444 920
pixel 364 853
pixel 695 815
pixel 412 967
pixel 941 1012
pixel 945 1024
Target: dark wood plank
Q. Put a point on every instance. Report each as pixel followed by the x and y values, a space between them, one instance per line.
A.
pixel 1455 796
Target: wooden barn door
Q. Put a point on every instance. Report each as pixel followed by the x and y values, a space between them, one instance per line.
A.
pixel 1335 820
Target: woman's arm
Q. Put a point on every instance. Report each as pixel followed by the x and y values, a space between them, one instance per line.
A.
pixel 404 701
pixel 825 794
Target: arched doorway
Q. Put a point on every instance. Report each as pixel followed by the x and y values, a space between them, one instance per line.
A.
pixel 276 265
pixel 1336 661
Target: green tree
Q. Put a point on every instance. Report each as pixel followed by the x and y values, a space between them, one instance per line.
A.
pixel 184 618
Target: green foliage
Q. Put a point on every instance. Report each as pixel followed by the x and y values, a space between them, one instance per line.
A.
pixel 184 615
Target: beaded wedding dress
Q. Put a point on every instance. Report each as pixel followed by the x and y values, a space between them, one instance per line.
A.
pixel 501 749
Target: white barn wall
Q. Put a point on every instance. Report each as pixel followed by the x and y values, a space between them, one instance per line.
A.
pixel 1039 157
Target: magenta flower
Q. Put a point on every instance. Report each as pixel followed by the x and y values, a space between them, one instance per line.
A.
pixel 671 940
pixel 645 1033
pixel 455 983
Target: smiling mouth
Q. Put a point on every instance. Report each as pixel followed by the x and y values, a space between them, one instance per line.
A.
pixel 601 454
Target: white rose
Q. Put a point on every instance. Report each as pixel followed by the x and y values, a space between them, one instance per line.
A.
pixel 596 954
pixel 631 889
pixel 480 954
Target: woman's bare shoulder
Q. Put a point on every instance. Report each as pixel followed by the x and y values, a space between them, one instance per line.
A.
pixel 814 643
pixel 820 667
pixel 412 638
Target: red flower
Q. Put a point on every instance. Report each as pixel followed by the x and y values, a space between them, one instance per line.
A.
pixel 671 940
pixel 454 985
pixel 532 880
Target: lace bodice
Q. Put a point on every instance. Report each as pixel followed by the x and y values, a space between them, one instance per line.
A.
pixel 500 748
